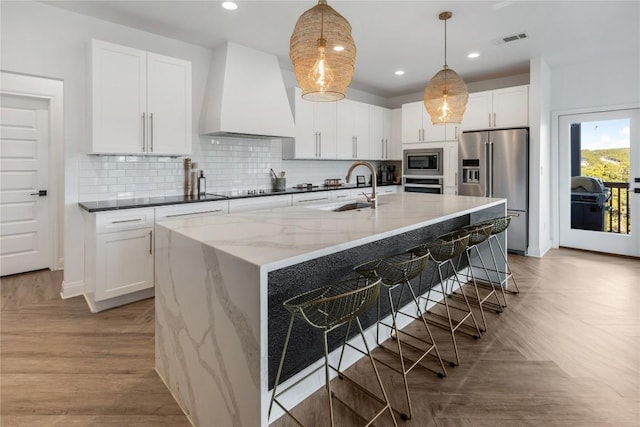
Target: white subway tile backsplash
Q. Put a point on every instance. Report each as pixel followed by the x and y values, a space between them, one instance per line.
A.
pixel 229 164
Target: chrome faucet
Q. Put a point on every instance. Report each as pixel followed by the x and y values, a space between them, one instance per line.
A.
pixel 372 199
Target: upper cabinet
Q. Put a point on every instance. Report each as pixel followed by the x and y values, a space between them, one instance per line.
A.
pixel 417 126
pixel 500 108
pixel 315 129
pixel 381 145
pixel 140 102
pixel 343 130
pixel 352 130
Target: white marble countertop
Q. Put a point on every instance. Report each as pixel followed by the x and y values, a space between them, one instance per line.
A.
pixel 277 238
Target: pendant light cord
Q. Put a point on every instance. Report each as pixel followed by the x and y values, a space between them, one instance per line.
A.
pixel 445 42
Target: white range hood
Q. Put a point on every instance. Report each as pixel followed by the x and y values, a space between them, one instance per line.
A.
pixel 245 96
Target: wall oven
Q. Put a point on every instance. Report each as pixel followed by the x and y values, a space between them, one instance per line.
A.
pixel 423 161
pixel 423 185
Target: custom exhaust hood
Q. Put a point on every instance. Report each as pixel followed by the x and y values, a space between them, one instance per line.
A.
pixel 245 96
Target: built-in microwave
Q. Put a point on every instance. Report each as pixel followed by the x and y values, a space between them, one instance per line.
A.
pixel 423 161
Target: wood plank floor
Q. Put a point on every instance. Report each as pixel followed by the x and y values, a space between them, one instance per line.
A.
pixel 566 352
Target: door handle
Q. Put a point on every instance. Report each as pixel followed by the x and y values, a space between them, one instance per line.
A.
pixel 40 193
pixel 144 131
pixel 151 132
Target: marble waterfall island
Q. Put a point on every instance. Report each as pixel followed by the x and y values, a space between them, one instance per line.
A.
pixel 220 282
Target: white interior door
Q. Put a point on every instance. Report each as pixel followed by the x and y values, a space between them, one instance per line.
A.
pixel 24 211
pixel 605 146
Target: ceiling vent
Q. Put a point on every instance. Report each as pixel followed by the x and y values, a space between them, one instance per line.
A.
pixel 511 38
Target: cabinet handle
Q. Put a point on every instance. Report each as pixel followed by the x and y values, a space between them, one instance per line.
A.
pixel 151 131
pixel 151 242
pixel 320 144
pixel 489 119
pixel 193 213
pixel 356 147
pixel 494 119
pixel 456 180
pixel 126 220
pixel 144 130
pixel 386 144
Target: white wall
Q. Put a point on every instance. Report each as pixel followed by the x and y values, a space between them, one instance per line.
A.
pixel 539 158
pixel 608 81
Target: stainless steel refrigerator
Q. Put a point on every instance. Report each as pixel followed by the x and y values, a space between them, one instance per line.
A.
pixel 496 164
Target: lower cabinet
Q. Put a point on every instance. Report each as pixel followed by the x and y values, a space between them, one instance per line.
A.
pixel 118 257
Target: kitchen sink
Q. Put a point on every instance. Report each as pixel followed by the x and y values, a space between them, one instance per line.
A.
pixel 352 206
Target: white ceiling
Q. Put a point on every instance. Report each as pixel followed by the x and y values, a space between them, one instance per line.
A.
pixel 406 35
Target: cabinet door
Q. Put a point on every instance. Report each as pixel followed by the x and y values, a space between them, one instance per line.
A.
pixel 450 172
pixel 345 138
pixel 395 139
pixel 361 130
pixel 325 125
pixel 168 105
pixel 478 114
pixel 433 133
pixel 377 147
pixel 452 132
pixel 118 99
pixel 124 263
pixel 306 142
pixel 511 107
pixel 412 122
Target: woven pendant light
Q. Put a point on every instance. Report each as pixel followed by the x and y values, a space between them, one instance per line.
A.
pixel 446 95
pixel 323 53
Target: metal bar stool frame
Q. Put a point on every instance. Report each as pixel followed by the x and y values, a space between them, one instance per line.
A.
pixel 442 252
pixel 397 271
pixel 478 233
pixel 500 225
pixel 327 308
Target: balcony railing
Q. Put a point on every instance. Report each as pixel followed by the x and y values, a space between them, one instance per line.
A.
pixel 618 212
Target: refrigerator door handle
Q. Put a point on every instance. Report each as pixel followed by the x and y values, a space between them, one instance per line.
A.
pixel 490 169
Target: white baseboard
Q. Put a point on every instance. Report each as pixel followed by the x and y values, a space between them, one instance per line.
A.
pixel 72 289
pixel 540 251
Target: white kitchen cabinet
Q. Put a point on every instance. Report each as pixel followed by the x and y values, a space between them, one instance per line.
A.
pixel 118 257
pixel 256 203
pixel 500 108
pixel 315 129
pixel 381 146
pixel 191 210
pixel 338 195
pixel 140 102
pixel 387 189
pixel 417 126
pixel 352 130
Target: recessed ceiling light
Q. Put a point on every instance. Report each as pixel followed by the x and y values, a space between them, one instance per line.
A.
pixel 473 55
pixel 229 5
pixel 338 48
pixel 399 73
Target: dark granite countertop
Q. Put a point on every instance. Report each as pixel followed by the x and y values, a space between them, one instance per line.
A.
pixel 145 202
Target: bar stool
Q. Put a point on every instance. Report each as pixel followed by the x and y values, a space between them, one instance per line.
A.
pixel 441 253
pixel 328 308
pixel 478 233
pixel 396 272
pixel 499 225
